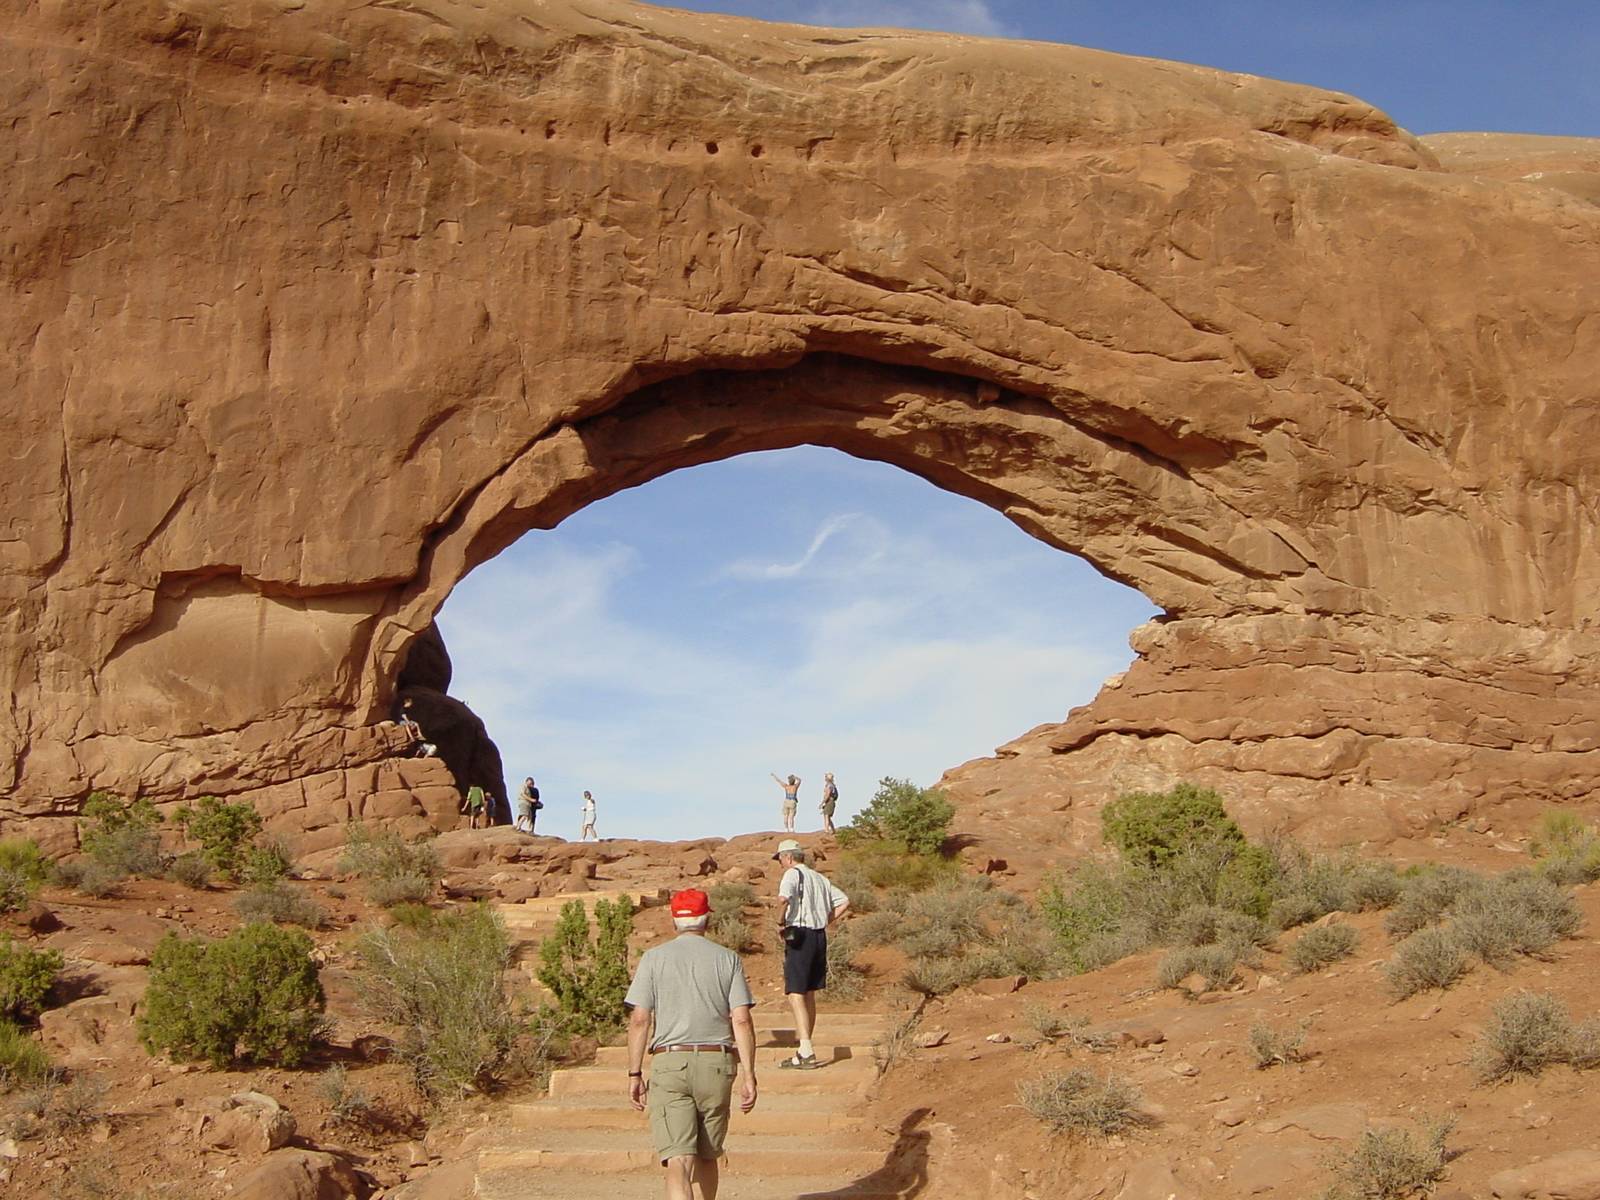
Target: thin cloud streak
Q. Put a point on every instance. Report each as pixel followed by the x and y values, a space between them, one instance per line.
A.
pixel 746 569
pixel 943 16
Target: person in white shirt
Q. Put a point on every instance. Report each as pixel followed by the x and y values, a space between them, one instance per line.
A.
pixel 811 903
pixel 588 819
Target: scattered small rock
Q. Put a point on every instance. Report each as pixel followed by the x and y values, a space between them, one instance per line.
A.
pixel 998 1038
pixel 1194 983
pixel 929 1038
pixel 1187 1069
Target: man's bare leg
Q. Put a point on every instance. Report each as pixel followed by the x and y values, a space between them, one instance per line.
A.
pixel 680 1177
pixel 804 1007
pixel 706 1179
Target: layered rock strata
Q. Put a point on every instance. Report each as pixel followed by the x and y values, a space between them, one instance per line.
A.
pixel 310 308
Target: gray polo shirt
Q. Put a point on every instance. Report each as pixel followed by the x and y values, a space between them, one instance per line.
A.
pixel 691 985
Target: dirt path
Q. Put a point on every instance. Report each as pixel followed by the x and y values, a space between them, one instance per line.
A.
pixel 805 1140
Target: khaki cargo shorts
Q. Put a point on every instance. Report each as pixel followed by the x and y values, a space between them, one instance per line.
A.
pixel 688 1102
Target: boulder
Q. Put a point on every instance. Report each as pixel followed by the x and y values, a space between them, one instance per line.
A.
pixel 301 1175
pixel 247 1123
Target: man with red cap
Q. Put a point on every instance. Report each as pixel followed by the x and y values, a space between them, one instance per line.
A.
pixel 689 1005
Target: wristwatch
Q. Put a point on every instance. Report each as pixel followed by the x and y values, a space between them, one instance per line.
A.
pixel 635 1074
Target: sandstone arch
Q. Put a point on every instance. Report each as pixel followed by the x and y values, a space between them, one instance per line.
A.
pixel 1243 344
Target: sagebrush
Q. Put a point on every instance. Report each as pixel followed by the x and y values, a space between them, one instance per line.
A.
pixel 26 977
pixel 1530 1031
pixel 1079 1101
pixel 393 870
pixel 1391 1164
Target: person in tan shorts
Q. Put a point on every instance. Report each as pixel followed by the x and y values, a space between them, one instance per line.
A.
pixel 689 1005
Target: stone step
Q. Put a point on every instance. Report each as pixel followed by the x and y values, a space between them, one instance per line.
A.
pixel 772 1100
pixel 768 1053
pixel 851 1074
pixel 769 1117
pixel 739 1180
pixel 621 1151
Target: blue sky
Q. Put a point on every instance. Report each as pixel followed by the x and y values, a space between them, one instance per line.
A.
pixel 804 611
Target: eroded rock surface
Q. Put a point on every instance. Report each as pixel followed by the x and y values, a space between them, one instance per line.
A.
pixel 311 308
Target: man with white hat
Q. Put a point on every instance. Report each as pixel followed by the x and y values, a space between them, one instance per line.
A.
pixel 693 992
pixel 811 904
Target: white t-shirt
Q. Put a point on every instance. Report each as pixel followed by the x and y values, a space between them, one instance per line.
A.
pixel 811 896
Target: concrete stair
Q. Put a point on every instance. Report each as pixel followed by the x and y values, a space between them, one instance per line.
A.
pixel 804 1141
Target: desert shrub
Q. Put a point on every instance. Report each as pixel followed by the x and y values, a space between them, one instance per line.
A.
pixel 1151 828
pixel 76 1105
pixel 854 882
pixel 348 1104
pixel 1567 850
pixel 1079 1101
pixel 1390 1164
pixel 412 915
pixel 1091 910
pixel 252 995
pixel 121 835
pixel 281 904
pixel 268 861
pixel 224 831
pixel 728 927
pixel 936 975
pixel 89 877
pixel 1530 1031
pixel 1432 957
pixel 23 1062
pixel 1278 1047
pixel 1517 913
pixel 588 976
pixel 870 863
pixel 1426 896
pixel 728 895
pixel 191 869
pixel 26 977
pixel 847 982
pixel 916 819
pixel 1049 1024
pixel 441 985
pixel 963 930
pixel 1313 885
pixel 1218 964
pixel 22 870
pixel 1203 924
pixel 395 871
pixel 1321 946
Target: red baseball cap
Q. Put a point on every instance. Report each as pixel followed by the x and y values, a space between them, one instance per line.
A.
pixel 691 902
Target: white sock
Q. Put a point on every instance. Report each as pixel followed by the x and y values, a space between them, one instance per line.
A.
pixel 805 1048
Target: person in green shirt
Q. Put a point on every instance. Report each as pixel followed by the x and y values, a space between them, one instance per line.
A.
pixel 475 806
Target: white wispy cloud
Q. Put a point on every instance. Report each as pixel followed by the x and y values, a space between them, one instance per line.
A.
pixel 750 569
pixel 944 16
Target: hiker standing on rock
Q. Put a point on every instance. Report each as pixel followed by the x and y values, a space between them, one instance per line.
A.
pixel 830 801
pixel 791 799
pixel 690 1005
pixel 588 819
pixel 811 904
pixel 528 805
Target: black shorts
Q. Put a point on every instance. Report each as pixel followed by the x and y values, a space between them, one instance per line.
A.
pixel 805 966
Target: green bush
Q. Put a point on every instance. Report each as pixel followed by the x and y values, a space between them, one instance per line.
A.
pixel 1079 1101
pixel 191 869
pixel 1091 910
pixel 26 977
pixel 1278 1047
pixel 1150 829
pixel 589 976
pixel 1566 848
pixel 876 863
pixel 22 870
pixel 23 1062
pixel 413 915
pixel 281 904
pixel 917 819
pixel 1432 957
pixel 1321 946
pixel 1391 1164
pixel 441 984
pixel 223 830
pixel 268 861
pixel 120 837
pixel 395 872
pixel 253 995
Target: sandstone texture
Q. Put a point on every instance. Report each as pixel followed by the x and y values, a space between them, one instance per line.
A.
pixel 309 308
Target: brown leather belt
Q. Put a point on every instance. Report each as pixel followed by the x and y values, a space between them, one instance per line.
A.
pixel 694 1048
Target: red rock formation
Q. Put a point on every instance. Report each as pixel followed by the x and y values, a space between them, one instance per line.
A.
pixel 311 308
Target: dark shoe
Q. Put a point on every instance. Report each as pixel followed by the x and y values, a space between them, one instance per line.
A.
pixel 798 1062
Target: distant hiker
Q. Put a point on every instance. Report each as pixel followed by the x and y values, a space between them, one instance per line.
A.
pixel 811 904
pixel 420 746
pixel 830 801
pixel 588 819
pixel 791 799
pixel 689 1005
pixel 473 806
pixel 528 805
